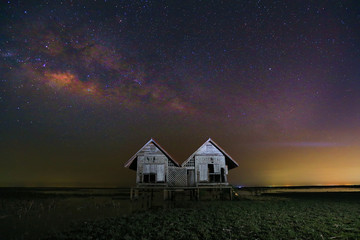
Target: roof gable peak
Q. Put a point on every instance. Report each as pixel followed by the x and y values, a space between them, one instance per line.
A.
pixel 232 162
pixel 128 163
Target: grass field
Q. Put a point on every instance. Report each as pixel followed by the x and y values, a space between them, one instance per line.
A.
pixel 29 213
pixel 269 216
pixel 286 216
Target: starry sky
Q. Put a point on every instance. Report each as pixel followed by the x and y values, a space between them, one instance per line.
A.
pixel 85 84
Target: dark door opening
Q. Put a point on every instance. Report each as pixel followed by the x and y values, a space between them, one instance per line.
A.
pixel 191 177
pixel 223 175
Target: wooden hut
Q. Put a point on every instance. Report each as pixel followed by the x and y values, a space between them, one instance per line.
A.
pixel 152 165
pixel 204 171
pixel 208 166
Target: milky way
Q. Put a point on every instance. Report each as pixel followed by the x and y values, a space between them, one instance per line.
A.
pixel 105 76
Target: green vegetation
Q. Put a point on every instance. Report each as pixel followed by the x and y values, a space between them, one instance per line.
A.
pixel 299 216
pixel 100 214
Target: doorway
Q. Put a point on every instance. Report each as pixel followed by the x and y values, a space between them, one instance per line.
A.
pixel 191 177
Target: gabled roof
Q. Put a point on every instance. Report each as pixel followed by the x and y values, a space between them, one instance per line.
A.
pixel 228 159
pixel 130 161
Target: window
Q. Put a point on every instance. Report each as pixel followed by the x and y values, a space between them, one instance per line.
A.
pixel 153 173
pixel 160 173
pixel 147 175
pixel 190 163
pixel 211 168
pixel 214 173
pixel 203 173
pixel 149 178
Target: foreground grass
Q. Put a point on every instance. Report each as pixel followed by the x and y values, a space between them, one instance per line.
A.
pixel 260 218
pixel 29 213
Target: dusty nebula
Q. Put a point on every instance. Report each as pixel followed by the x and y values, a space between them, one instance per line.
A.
pixel 84 84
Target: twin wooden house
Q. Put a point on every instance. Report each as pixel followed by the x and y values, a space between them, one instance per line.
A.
pixel 207 166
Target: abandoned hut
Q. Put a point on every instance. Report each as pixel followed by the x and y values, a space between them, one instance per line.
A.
pixel 152 165
pixel 207 166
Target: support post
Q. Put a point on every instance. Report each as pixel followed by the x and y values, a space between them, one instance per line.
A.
pixel 165 194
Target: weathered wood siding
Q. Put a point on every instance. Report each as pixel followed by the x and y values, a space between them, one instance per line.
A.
pixel 208 149
pixel 150 160
pixel 205 155
pixel 206 167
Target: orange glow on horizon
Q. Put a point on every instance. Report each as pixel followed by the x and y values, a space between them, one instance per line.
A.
pixel 311 166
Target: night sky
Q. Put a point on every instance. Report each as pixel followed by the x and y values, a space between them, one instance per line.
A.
pixel 85 84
